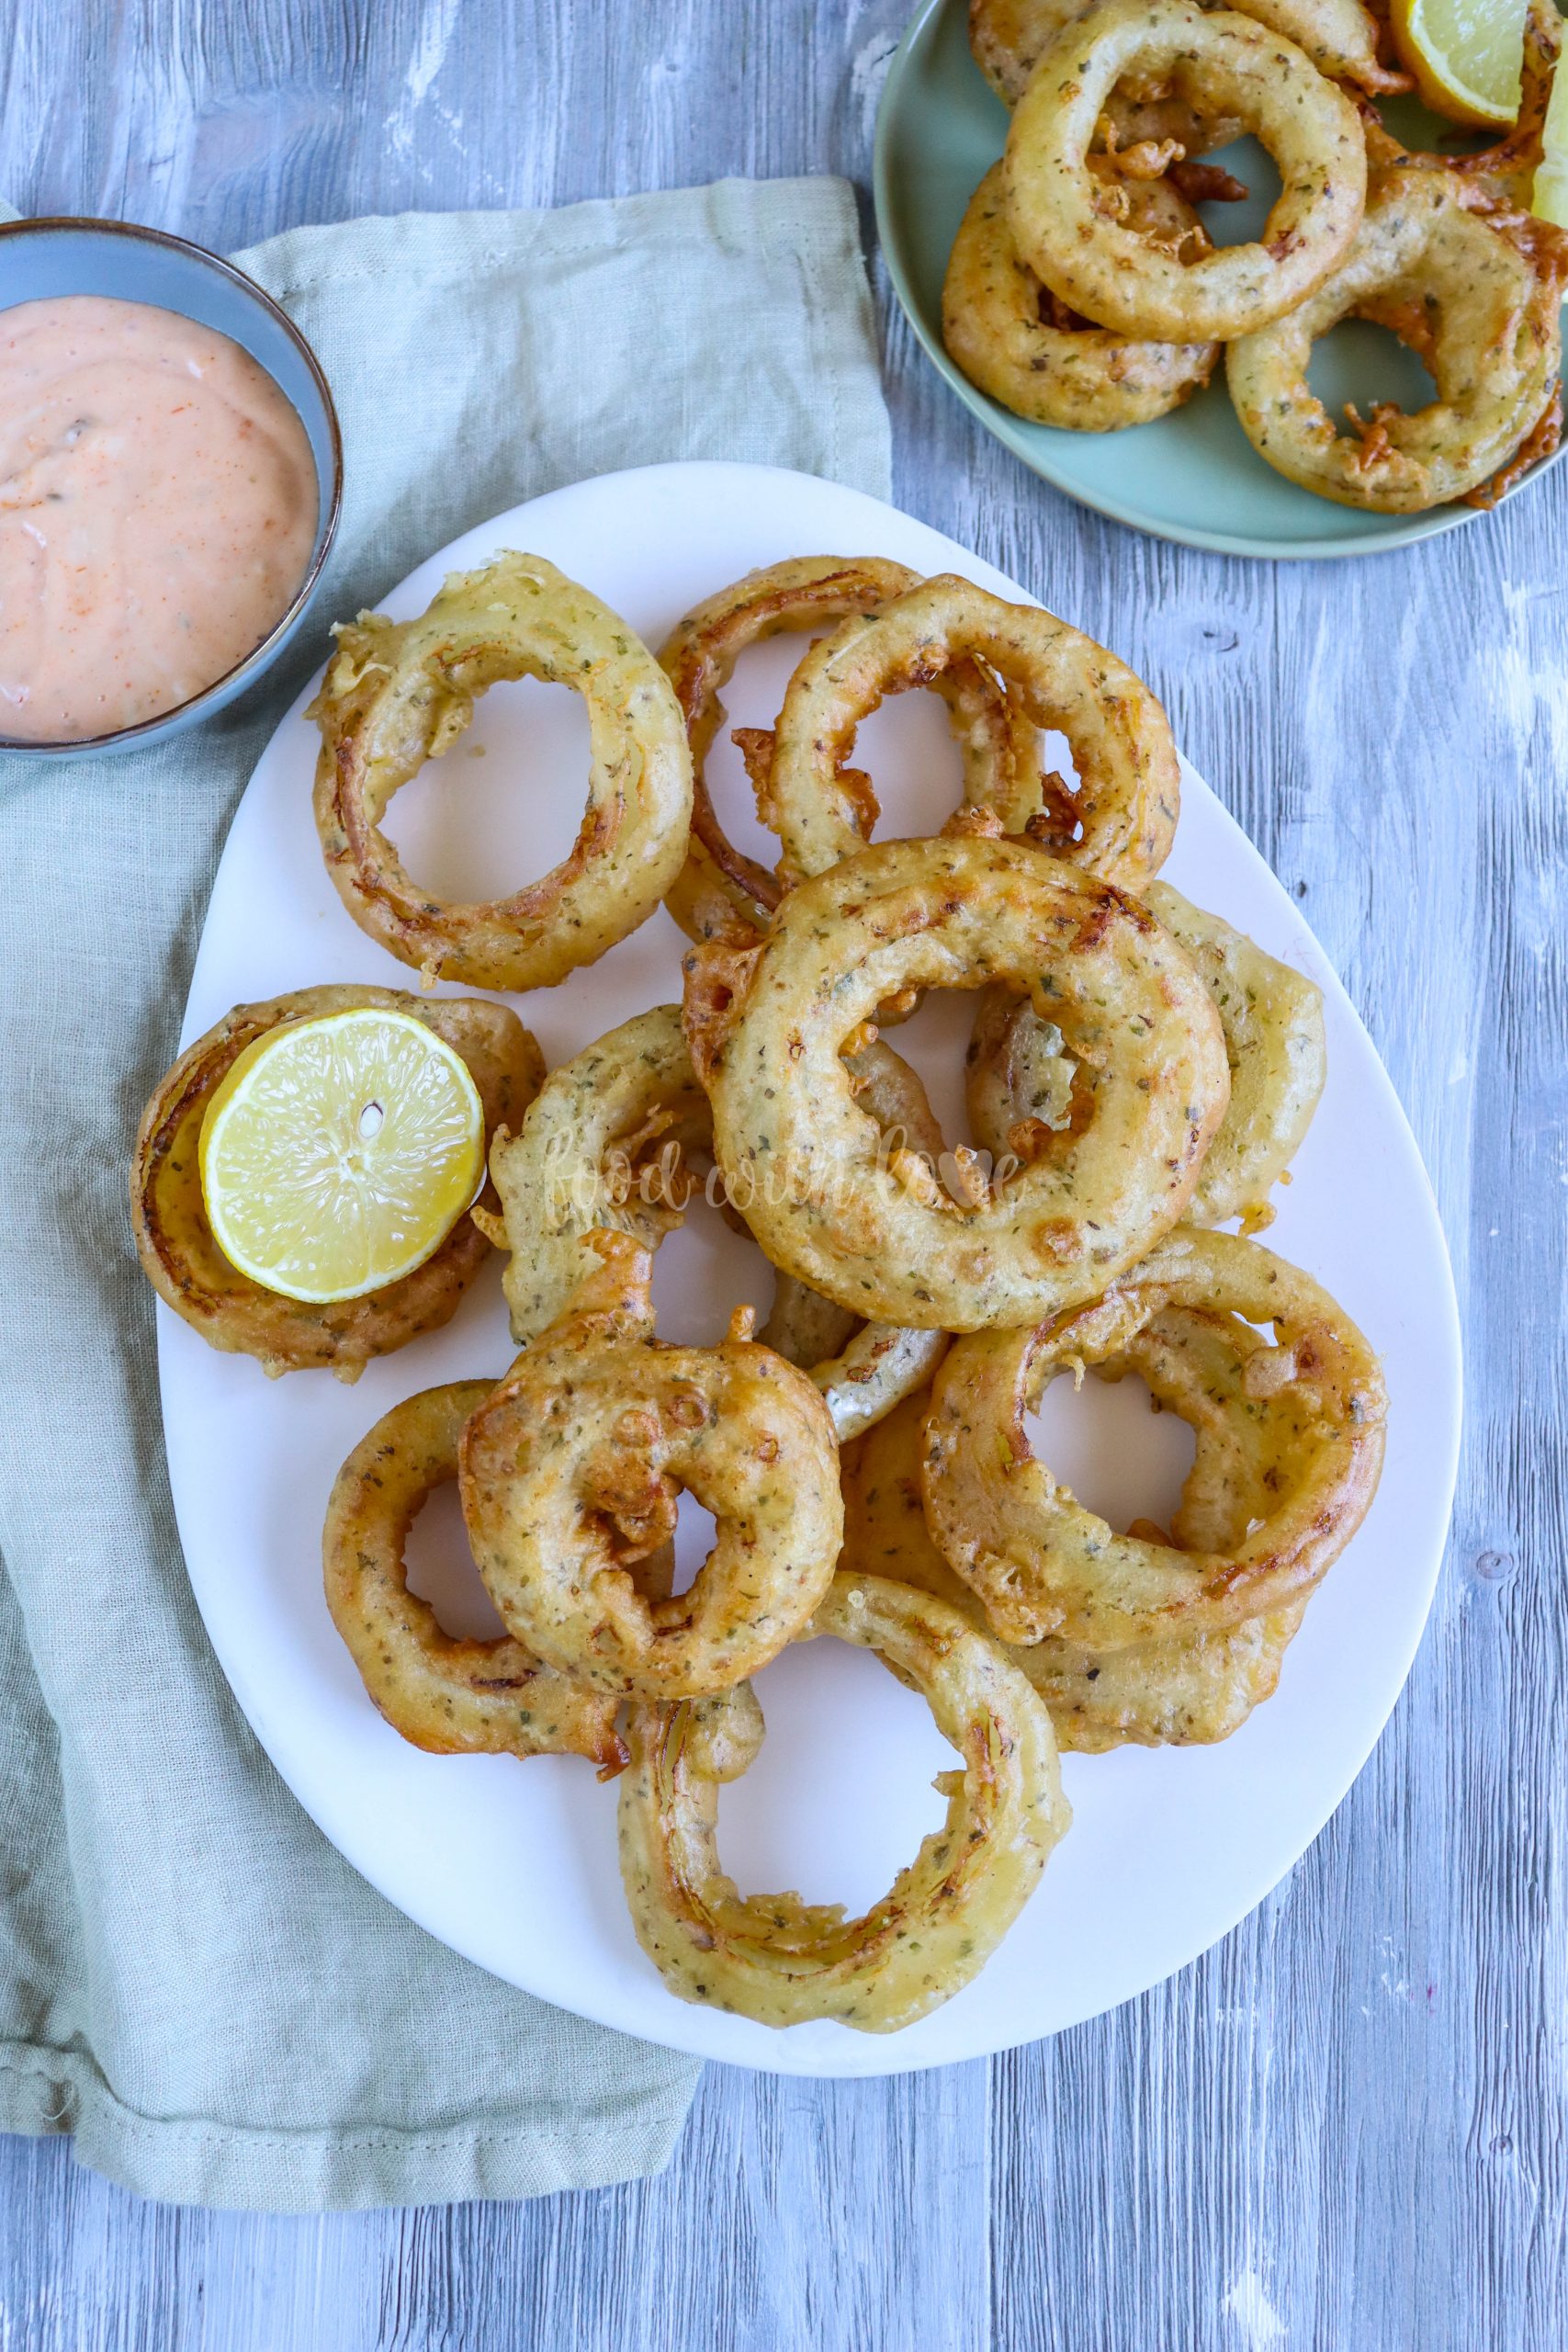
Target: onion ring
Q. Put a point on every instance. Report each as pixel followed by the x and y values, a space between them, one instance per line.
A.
pixel 778 1960
pixel 400 692
pixel 1130 783
pixel 1477 299
pixel 175 1241
pixel 612 1140
pixel 860 1377
pixel 996 324
pixel 719 889
pixel 1272 1019
pixel 1187 1690
pixel 808 1170
pixel 1313 1401
pixel 569 1474
pixel 1063 221
pixel 576 1163
pixel 1009 38
pixel 862 1369
pixel 447 1696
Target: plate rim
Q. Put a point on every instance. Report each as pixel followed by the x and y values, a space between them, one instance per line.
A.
pixel 1000 423
pixel 869 2057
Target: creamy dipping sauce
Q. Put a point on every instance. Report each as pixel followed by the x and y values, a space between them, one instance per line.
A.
pixel 158 507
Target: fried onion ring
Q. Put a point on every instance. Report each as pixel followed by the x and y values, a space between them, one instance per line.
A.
pixel 1310 1406
pixel 1066 229
pixel 862 1369
pixel 1477 297
pixel 719 889
pixel 1272 1019
pixel 1187 1690
pixel 878 1233
pixel 1009 37
pixel 997 322
pixel 778 1960
pixel 400 692
pixel 570 1471
pixel 175 1241
pixel 448 1696
pixel 614 1140
pixel 1129 778
pixel 860 1376
pixel 611 1141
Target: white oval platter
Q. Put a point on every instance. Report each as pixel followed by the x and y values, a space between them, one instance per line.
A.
pixel 514 1864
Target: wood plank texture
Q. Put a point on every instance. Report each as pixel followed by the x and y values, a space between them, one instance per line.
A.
pixel 1345 2128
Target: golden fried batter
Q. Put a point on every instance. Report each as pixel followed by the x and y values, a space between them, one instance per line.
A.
pixel 452 1697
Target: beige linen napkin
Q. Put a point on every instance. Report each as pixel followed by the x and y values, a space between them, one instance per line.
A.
pixel 191 1979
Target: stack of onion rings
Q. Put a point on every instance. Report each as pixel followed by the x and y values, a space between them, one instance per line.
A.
pixel 569 1474
pixel 1081 294
pixel 806 1168
pixel 1135 1063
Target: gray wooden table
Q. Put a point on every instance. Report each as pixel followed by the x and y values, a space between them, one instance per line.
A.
pixel 1344 2127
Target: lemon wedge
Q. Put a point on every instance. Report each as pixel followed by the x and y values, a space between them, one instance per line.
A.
pixel 338 1154
pixel 1465 55
pixel 1550 201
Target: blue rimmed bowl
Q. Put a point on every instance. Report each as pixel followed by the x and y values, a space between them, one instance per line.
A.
pixel 41 259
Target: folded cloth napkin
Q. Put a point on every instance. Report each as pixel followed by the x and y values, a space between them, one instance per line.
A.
pixel 191 1979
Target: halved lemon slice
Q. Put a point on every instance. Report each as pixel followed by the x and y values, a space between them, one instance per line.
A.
pixel 1465 55
pixel 1550 201
pixel 338 1154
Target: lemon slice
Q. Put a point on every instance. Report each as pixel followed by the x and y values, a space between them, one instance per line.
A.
pixel 1550 201
pixel 1465 55
pixel 338 1154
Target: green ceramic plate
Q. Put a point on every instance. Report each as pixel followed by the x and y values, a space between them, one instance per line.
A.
pixel 1192 476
